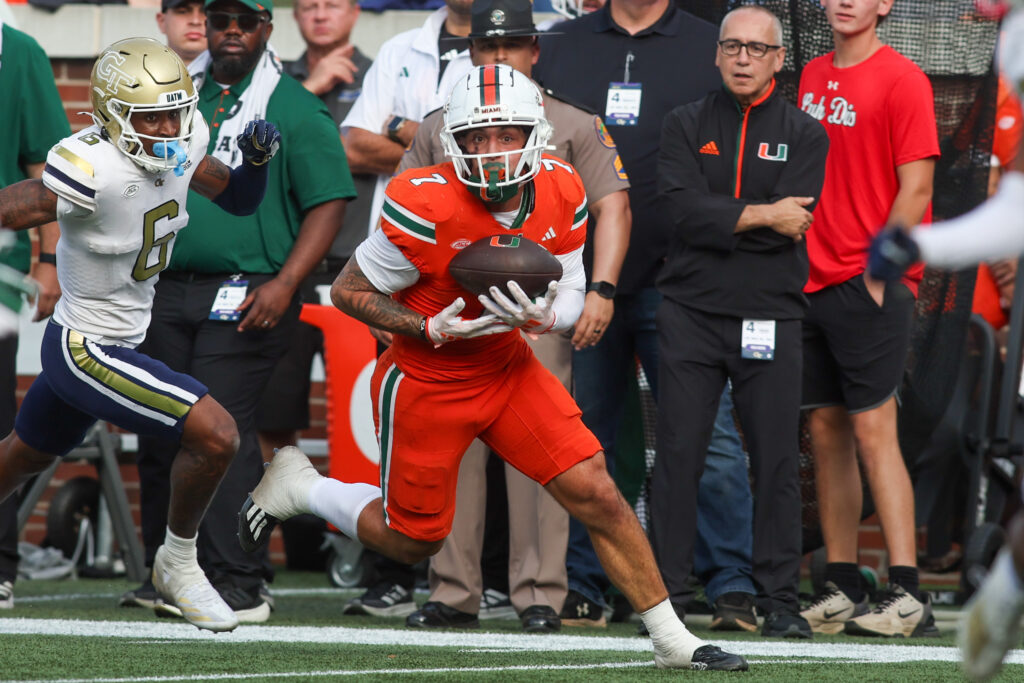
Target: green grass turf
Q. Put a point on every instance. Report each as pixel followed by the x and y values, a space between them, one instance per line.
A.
pixel 49 657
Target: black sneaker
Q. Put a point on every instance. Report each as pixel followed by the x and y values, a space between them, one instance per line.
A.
pixel 540 619
pixel 143 596
pixel 247 604
pixel 734 612
pixel 440 615
pixel 786 623
pixel 714 658
pixel 383 599
pixel 579 610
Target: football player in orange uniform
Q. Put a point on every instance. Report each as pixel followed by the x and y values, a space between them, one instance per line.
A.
pixel 458 367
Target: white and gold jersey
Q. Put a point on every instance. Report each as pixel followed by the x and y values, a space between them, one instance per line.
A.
pixel 118 224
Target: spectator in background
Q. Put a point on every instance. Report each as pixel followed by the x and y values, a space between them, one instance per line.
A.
pixel 183 22
pixel 413 74
pixel 877 107
pixel 612 60
pixel 733 300
pixel 331 68
pixel 227 307
pixel 32 122
pixel 538 526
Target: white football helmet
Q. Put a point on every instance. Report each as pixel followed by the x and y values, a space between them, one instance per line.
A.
pixel 495 95
pixel 141 74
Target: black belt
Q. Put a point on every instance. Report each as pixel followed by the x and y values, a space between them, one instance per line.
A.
pixel 194 276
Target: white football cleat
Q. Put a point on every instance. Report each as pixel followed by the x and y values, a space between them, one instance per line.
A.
pixel 990 625
pixel 187 589
pixel 282 493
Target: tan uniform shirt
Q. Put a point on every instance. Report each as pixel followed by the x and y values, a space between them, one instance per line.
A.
pixel 579 138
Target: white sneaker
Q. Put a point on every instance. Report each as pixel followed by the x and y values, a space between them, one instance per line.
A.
pixel 6 595
pixel 188 590
pixel 282 493
pixel 990 624
pixel 831 609
pixel 496 605
pixel 899 614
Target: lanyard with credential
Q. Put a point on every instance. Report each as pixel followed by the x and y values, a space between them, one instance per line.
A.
pixel 623 106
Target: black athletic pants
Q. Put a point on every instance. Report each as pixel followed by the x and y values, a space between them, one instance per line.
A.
pixel 235 367
pixel 698 352
pixel 9 508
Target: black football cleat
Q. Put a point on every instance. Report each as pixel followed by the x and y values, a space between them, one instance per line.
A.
pixel 254 526
pixel 714 658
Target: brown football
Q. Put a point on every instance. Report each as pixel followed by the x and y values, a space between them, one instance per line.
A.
pixel 497 259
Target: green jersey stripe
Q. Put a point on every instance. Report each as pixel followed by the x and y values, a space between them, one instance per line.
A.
pixel 408 222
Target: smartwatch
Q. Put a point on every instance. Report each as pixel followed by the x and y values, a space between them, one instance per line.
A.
pixel 394 126
pixel 605 290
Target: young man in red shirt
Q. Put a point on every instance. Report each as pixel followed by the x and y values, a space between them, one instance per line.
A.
pixel 877 108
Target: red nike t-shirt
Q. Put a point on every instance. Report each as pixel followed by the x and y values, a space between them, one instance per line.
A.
pixel 879 115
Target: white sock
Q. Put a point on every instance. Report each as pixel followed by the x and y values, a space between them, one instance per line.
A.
pixel 340 503
pixel 667 631
pixel 180 551
pixel 1004 574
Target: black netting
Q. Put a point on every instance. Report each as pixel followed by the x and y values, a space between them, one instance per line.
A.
pixel 955 48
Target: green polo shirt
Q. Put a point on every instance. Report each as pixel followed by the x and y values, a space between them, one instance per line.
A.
pixel 31 117
pixel 309 169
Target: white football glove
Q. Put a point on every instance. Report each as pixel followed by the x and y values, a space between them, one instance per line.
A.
pixel 535 316
pixel 447 326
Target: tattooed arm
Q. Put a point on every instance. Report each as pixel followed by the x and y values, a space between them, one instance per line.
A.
pixel 211 177
pixel 354 294
pixel 27 204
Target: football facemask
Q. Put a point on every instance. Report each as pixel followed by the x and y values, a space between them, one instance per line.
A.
pixel 141 75
pixel 495 95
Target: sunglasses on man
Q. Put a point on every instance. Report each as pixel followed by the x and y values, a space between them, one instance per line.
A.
pixel 247 22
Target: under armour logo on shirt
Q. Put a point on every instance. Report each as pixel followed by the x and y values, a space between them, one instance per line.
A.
pixel 833 85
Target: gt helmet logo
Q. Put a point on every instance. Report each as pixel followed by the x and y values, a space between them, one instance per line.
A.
pixel 112 77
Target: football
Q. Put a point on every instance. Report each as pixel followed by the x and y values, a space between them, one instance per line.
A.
pixel 497 259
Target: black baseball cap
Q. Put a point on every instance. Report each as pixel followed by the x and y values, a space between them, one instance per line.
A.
pixel 502 19
pixel 171 4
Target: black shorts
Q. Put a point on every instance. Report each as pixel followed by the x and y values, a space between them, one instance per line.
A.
pixel 855 350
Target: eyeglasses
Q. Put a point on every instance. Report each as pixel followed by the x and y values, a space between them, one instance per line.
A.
pixel 247 22
pixel 731 48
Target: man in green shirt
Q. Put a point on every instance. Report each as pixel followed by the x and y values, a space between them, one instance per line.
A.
pixel 32 122
pixel 227 307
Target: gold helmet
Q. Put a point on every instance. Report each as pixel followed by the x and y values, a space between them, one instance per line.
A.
pixel 141 74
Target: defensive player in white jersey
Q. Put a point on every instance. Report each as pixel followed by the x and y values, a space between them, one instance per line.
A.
pixel 991 620
pixel 118 190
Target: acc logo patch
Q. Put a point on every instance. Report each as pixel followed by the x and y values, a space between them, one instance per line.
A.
pixel 130 191
pixel 620 171
pixel 108 72
pixel 602 133
pixel 461 243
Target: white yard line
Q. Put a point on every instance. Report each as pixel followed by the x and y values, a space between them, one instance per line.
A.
pixel 883 652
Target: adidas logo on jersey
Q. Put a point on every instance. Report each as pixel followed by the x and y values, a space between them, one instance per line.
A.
pixel 710 148
pixel 550 234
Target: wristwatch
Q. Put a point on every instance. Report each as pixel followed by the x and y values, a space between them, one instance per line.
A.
pixel 394 126
pixel 605 290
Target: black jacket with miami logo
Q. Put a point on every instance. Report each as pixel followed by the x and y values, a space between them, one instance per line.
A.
pixel 715 160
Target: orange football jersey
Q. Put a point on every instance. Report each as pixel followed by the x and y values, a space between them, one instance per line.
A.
pixel 429 214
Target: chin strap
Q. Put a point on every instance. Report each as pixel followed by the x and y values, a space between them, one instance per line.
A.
pixel 172 148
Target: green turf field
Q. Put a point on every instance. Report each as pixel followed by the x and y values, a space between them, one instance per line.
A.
pixel 73 631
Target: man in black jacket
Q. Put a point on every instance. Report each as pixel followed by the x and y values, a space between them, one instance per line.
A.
pixel 738 174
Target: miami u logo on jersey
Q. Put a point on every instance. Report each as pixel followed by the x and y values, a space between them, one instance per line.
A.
pixel 781 154
pixel 108 72
pixel 511 241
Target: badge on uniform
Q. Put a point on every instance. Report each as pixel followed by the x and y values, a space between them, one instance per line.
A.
pixel 229 297
pixel 757 341
pixel 623 106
